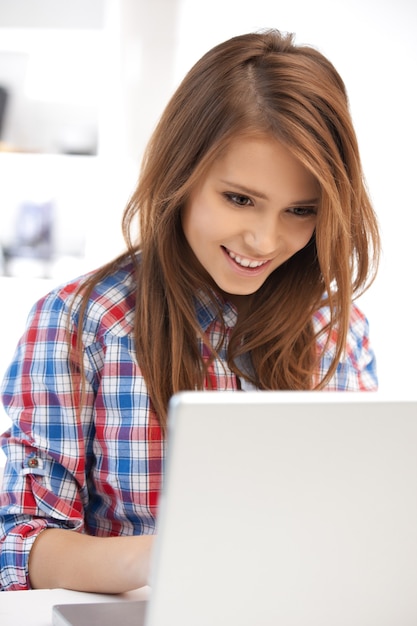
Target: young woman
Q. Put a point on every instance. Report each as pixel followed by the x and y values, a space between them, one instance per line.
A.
pixel 256 234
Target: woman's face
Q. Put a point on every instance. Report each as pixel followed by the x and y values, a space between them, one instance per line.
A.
pixel 255 208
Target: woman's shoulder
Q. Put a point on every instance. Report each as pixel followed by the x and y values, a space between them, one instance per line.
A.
pixel 105 300
pixel 358 326
pixel 357 320
pixel 356 370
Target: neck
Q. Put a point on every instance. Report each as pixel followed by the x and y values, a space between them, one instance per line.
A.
pixel 242 303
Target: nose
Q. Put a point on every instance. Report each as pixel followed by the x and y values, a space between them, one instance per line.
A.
pixel 263 236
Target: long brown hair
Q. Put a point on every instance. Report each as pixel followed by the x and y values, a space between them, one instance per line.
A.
pixel 255 83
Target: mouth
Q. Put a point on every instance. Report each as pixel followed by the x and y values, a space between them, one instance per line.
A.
pixel 243 261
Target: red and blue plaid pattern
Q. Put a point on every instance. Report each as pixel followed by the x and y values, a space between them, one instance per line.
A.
pixel 100 471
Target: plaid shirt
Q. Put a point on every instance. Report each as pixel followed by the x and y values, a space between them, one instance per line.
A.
pixel 100 472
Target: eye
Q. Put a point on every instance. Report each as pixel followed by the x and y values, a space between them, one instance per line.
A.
pixel 303 211
pixel 238 199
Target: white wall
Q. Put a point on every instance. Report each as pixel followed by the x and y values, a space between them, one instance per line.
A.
pixel 371 42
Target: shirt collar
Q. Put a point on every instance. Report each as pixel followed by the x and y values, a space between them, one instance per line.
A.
pixel 207 306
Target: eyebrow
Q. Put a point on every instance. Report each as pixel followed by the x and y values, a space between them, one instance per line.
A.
pixel 259 194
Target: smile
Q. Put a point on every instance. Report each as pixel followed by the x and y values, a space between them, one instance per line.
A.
pixel 243 261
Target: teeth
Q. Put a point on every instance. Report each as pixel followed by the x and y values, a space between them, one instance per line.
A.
pixel 245 262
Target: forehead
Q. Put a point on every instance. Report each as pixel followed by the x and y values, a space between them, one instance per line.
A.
pixel 264 163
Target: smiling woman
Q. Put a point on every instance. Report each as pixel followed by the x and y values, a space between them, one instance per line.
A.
pixel 256 233
pixel 255 208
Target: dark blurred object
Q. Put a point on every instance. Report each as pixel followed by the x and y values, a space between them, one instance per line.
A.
pixel 4 95
pixel 32 237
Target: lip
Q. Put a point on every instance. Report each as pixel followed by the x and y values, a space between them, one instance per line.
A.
pixel 245 271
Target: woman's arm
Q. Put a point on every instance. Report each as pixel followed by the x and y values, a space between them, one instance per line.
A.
pixel 50 452
pixel 70 560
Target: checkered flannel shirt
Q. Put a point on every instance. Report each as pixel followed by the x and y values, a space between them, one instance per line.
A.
pixel 100 472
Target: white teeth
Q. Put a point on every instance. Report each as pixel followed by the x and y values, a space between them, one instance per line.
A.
pixel 244 262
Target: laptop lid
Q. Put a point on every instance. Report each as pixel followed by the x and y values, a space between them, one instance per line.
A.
pixel 287 508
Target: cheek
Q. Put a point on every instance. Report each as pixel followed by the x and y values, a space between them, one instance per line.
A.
pixel 193 221
pixel 301 238
pixel 204 221
pixel 197 224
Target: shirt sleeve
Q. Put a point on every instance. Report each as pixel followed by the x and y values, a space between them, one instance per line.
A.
pixel 44 484
pixel 357 369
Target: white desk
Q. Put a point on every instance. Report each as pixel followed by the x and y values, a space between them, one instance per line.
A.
pixel 34 608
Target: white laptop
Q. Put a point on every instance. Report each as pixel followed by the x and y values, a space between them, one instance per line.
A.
pixel 289 508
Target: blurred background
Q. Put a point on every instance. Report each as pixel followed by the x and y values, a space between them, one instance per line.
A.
pixel 82 84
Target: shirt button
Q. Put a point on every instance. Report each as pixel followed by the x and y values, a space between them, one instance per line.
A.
pixel 33 462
